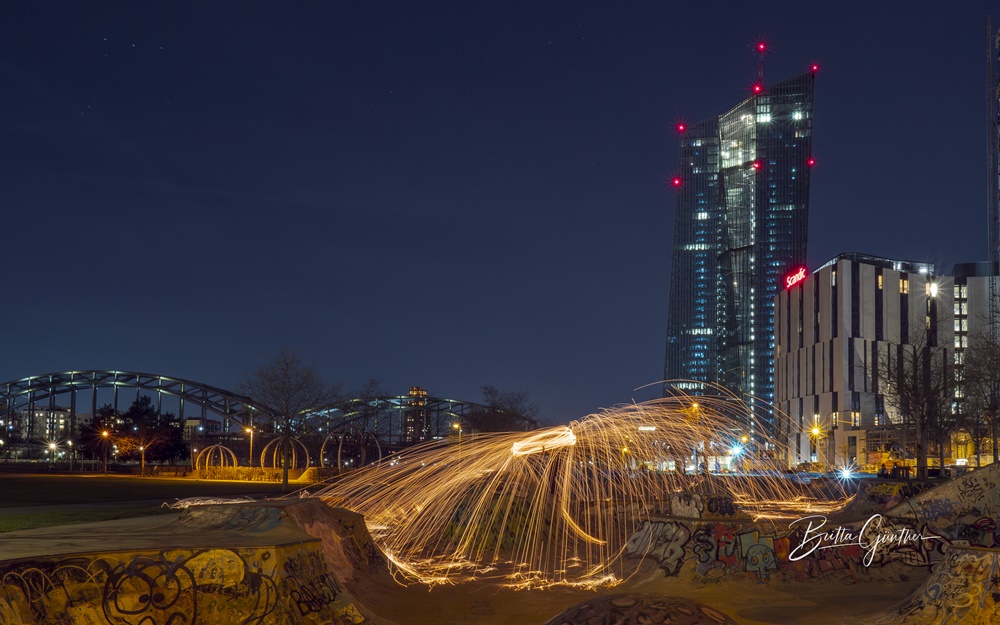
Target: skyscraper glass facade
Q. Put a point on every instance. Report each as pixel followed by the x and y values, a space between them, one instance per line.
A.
pixel 691 318
pixel 747 204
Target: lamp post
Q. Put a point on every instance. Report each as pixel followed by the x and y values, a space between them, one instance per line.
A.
pixel 834 426
pixel 105 435
pixel 458 427
pixel 52 454
pixel 142 461
pixel 816 433
pixel 71 452
pixel 695 417
pixel 250 432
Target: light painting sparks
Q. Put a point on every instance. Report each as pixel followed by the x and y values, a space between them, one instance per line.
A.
pixel 558 506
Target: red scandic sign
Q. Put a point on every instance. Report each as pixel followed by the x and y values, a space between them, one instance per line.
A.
pixel 796 276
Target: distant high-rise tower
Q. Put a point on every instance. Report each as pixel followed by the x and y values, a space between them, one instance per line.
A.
pixel 992 143
pixel 741 226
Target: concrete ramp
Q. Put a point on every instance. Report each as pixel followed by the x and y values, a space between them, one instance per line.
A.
pixel 877 497
pixel 240 563
pixel 962 589
pixel 974 495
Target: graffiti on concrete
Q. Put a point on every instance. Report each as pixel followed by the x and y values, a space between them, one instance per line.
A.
pixel 715 549
pixel 309 583
pixel 663 541
pixel 962 589
pixel 758 554
pixel 721 506
pixel 686 505
pixel 243 585
pixel 654 611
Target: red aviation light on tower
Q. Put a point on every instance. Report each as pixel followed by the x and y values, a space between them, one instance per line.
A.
pixel 757 88
pixel 761 46
pixel 756 165
pixel 814 68
pixel 794 277
pixel 676 181
pixel 681 127
pixel 811 161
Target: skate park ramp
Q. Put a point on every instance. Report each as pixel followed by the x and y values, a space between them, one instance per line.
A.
pixel 242 563
pixel 962 589
pixel 304 561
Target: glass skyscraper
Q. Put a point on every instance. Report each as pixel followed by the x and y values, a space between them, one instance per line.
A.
pixel 741 224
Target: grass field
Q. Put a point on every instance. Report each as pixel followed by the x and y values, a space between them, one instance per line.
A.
pixel 34 501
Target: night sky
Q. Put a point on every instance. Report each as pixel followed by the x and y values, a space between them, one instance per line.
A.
pixel 431 194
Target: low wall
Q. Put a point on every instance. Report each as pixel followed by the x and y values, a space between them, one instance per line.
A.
pixel 288 582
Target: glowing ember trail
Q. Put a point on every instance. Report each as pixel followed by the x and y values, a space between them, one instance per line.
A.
pixel 546 440
pixel 559 505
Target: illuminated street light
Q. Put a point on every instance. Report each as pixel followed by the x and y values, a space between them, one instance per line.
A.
pixel 105 435
pixel 816 433
pixel 250 432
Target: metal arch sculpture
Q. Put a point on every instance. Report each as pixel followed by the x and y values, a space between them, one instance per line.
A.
pixel 210 452
pixel 212 399
pixel 293 457
pixel 363 438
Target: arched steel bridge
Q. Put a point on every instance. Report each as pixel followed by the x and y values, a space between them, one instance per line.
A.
pixel 40 391
pixel 398 420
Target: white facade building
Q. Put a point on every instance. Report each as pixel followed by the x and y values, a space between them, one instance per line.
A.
pixel 834 329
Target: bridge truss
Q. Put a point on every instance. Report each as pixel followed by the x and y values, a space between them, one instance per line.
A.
pixel 43 408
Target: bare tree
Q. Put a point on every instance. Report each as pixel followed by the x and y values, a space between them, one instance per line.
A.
pixel 982 388
pixel 365 404
pixel 291 390
pixel 978 426
pixel 503 411
pixel 919 383
pixel 366 399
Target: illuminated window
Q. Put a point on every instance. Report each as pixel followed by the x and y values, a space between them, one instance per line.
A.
pixel 880 282
pixel 904 286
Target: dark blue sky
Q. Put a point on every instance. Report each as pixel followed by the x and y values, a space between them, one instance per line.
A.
pixel 431 194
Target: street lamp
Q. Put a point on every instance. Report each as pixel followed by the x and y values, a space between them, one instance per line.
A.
pixel 105 435
pixel 834 419
pixel 458 427
pixel 142 462
pixel 695 417
pixel 71 452
pixel 816 433
pixel 52 454
pixel 250 432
